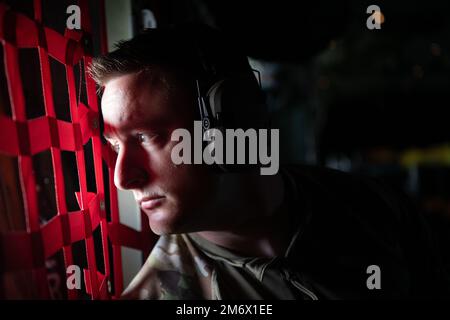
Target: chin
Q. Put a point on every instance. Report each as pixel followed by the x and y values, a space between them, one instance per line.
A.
pixel 163 222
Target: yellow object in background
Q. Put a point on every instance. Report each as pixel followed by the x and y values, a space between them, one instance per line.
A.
pixel 439 155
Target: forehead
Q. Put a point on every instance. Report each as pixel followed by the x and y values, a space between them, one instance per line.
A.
pixel 135 101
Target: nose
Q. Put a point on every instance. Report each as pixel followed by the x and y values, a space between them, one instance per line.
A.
pixel 130 170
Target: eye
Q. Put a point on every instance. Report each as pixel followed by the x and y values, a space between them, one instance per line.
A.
pixel 145 138
pixel 141 137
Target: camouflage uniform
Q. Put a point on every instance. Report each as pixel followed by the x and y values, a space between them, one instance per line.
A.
pixel 175 269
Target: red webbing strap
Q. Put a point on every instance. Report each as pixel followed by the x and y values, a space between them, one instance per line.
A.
pixel 64 227
pixel 96 141
pixel 93 119
pixel 52 237
pixel 117 252
pixel 52 133
pixel 97 287
pixel 29 137
pixel 25 164
pixel 22 138
pixel 109 157
pixel 81 168
pixel 103 290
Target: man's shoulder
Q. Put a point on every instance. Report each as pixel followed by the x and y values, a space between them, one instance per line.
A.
pixel 338 189
pixel 347 214
pixel 356 221
pixel 175 269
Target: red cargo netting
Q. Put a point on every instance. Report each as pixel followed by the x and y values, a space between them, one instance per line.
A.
pixel 22 138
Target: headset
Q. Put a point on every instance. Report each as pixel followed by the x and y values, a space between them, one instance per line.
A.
pixel 211 100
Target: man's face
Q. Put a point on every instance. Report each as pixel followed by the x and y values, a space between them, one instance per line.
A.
pixel 140 114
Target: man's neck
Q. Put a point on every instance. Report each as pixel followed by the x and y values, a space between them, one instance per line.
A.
pixel 261 228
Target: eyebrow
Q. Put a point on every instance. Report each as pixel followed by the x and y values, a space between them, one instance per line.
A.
pixel 146 129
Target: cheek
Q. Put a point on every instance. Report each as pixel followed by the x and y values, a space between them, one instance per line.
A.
pixel 184 181
pixel 163 169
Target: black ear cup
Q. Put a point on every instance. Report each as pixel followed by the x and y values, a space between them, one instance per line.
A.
pixel 233 103
pixel 236 102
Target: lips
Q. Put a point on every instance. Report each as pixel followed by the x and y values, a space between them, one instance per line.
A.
pixel 149 203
